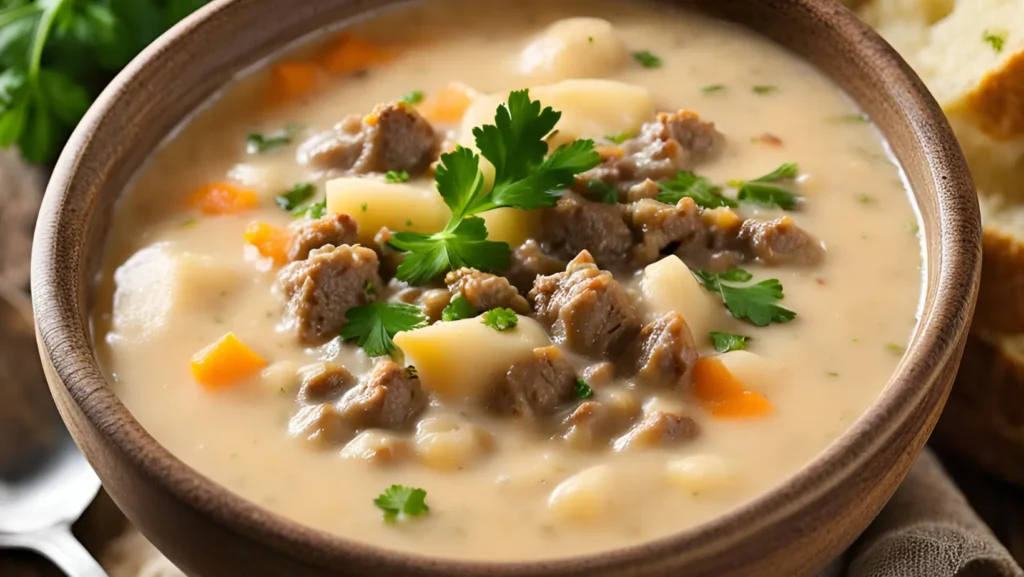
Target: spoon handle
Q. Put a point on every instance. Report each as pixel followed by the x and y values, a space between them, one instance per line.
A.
pixel 59 546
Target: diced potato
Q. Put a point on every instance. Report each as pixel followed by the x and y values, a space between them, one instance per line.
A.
pixel 532 473
pixel 462 359
pixel 590 109
pixel 448 443
pixel 573 48
pixel 375 204
pixel 159 283
pixel 281 377
pixel 665 404
pixel 668 285
pixel 757 373
pixel 268 178
pixel 511 225
pixel 586 496
pixel 377 447
pixel 699 473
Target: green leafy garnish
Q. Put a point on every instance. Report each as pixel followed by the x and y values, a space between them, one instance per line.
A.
pixel 756 303
pixel 396 177
pixel 523 178
pixel 400 502
pixel 764 89
pixel 374 326
pixel 295 196
pixel 412 97
pixel 258 142
pixel 725 342
pixel 700 189
pixel 620 137
pixel 713 88
pixel 314 210
pixel 600 190
pixel 997 40
pixel 583 390
pixel 762 190
pixel 458 309
pixel 647 59
pixel 501 319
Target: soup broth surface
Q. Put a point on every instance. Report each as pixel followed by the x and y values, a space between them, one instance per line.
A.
pixel 503 494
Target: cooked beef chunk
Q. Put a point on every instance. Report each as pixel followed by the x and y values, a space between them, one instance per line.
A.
pixel 389 398
pixel 659 225
pixel 392 137
pixel 599 374
pixel 530 261
pixel 663 352
pixel 780 241
pixel 577 224
pixel 322 288
pixel 536 386
pixel 485 291
pixel 333 229
pixel 592 424
pixel 322 424
pixel 658 429
pixel 324 382
pixel 585 308
pixel 389 257
pixel 673 142
pixel 432 301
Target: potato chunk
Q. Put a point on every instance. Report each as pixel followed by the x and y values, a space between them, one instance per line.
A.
pixel 669 286
pixel 511 225
pixel 586 496
pixel 375 204
pixel 573 48
pixel 699 473
pixel 463 359
pixel 448 443
pixel 756 373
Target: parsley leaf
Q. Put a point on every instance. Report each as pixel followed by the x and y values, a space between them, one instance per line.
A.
pixel 258 142
pixel 396 177
pixel 700 189
pixel 620 137
pixel 399 501
pixel 458 309
pixel 412 97
pixel 315 210
pixel 465 246
pixel 756 303
pixel 995 39
pixel 583 390
pixel 647 59
pixel 295 196
pixel 762 190
pixel 374 325
pixel 600 190
pixel 725 342
pixel 501 319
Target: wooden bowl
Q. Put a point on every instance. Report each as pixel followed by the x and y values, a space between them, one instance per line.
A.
pixel 792 530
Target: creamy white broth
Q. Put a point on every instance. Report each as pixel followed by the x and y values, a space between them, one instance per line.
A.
pixel 856 310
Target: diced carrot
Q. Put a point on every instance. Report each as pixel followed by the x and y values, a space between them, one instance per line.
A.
pixel 225 362
pixel 218 198
pixel 292 80
pixel 722 394
pixel 449 104
pixel 348 54
pixel 271 241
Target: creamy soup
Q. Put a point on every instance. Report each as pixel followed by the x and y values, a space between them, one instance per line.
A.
pixel 563 334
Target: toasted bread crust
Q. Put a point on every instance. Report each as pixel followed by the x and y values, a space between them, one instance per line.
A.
pixel 997 104
pixel 984 419
pixel 1001 299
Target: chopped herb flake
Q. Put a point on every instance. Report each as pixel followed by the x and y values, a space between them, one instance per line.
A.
pixel 857 118
pixel 894 348
pixel 764 89
pixel 713 88
pixel 501 319
pixel 912 228
pixel 725 342
pixel 401 502
pixel 295 196
pixel 374 325
pixel 190 222
pixel 458 309
pixel 363 207
pixel 412 97
pixel 314 210
pixel 865 199
pixel 832 373
pixel 369 289
pixel 647 59
pixel 700 189
pixel 756 303
pixel 995 39
pixel 620 137
pixel 590 39
pixel 583 390
pixel 258 142
pixel 396 177
pixel 762 190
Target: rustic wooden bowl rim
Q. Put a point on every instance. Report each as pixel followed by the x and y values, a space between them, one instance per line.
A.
pixel 58 285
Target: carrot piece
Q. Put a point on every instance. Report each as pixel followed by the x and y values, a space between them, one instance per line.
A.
pixel 225 362
pixel 271 241
pixel 449 104
pixel 722 394
pixel 218 198
pixel 348 54
pixel 293 80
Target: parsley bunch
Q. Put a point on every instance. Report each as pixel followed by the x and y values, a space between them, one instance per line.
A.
pixel 56 56
pixel 525 177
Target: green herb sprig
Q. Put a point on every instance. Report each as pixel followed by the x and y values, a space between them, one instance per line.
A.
pixel 756 303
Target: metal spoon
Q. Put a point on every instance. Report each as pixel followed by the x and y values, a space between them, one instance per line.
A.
pixel 45 482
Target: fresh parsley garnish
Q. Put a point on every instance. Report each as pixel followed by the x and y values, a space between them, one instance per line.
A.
pixel 764 89
pixel 258 142
pixel 412 97
pixel 647 59
pixel 620 137
pixel 295 196
pixel 600 190
pixel 400 502
pixel 756 303
pixel 523 178
pixel 583 390
pixel 763 189
pixel 997 40
pixel 396 177
pixel 713 88
pixel 501 319
pixel 374 326
pixel 458 309
pixel 314 210
pixel 725 342
pixel 700 189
